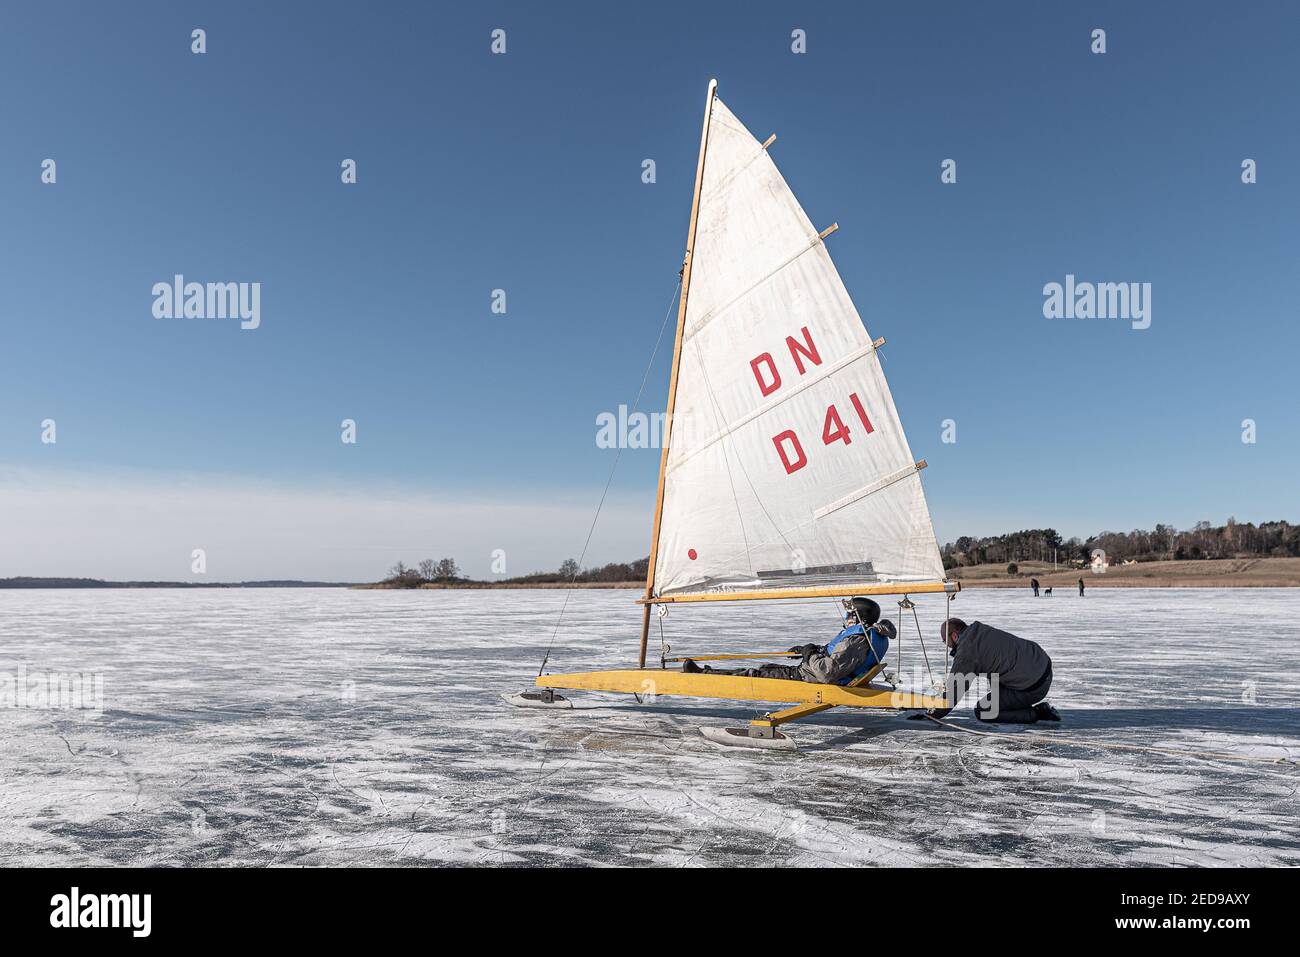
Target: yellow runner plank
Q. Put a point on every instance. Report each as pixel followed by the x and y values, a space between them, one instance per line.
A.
pixel 736 688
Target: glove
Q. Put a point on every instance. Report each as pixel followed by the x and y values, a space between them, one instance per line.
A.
pixel 932 713
pixel 886 628
pixel 806 650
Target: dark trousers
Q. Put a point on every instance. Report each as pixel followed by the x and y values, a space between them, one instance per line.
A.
pixel 1015 705
pixel 788 672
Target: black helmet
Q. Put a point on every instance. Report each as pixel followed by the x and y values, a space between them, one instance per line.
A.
pixel 868 611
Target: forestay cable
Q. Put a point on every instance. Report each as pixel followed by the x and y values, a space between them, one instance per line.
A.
pixel 645 377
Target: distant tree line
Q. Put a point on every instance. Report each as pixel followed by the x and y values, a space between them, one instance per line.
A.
pixel 569 571
pixel 446 572
pixel 1164 543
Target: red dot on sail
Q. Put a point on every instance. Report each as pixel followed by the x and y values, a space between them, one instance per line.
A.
pixel 692 554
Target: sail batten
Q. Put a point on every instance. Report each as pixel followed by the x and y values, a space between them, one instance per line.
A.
pixel 704 320
pixel 876 486
pixel 788 472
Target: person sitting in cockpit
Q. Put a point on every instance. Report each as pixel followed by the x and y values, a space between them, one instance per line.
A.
pixel 859 647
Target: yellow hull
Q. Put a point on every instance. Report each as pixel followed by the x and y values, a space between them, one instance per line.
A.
pixel 735 688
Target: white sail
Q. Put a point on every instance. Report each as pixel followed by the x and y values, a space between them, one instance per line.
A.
pixel 787 468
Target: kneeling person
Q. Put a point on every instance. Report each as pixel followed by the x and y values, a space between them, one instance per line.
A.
pixel 858 648
pixel 1023 671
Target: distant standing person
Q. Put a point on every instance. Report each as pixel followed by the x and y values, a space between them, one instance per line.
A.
pixel 1080 587
pixel 1033 583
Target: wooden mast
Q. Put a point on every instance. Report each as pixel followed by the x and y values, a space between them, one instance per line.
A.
pixel 672 380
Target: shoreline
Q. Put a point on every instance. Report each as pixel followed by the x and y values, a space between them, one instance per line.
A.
pixel 1072 588
pixel 1271 572
pixel 470 586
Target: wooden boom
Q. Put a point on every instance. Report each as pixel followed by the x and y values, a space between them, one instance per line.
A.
pixel 740 656
pixel 834 591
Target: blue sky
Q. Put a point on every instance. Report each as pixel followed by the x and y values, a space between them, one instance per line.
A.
pixel 522 172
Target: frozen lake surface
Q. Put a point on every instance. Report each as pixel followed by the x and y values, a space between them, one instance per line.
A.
pixel 336 727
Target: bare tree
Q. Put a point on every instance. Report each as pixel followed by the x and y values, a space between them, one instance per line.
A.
pixel 568 568
pixel 447 568
pixel 428 569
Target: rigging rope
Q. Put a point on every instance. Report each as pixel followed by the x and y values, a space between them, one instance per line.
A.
pixel 947 658
pixel 907 602
pixel 1075 742
pixel 645 377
